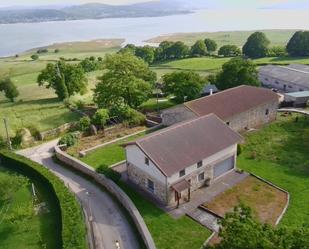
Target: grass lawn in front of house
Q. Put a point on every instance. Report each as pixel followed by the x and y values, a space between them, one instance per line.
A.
pixel 280 154
pixel 265 201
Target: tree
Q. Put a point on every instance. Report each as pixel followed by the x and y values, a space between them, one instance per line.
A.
pixel 298 45
pixel 146 53
pixel 179 50
pixel 129 48
pixel 66 79
pixel 211 45
pixel 9 89
pixel 236 72
pixel 90 64
pixel 241 231
pixel 183 85
pixel 199 49
pixel 229 51
pixel 277 51
pixel 256 45
pixel 127 80
pixel 164 51
pixel 84 123
pixel 100 117
pixel 34 57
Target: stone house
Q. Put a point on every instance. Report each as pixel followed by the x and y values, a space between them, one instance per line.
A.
pixel 292 78
pixel 173 162
pixel 241 108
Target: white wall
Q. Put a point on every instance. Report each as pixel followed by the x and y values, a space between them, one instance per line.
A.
pixel 214 159
pixel 137 157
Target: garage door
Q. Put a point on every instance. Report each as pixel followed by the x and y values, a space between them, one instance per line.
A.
pixel 223 167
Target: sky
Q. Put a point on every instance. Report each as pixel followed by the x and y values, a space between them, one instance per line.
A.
pixel 277 4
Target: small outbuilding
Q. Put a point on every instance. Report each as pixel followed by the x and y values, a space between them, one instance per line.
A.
pixel 209 90
pixel 297 99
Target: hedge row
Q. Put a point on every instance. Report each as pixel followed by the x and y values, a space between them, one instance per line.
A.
pixel 73 228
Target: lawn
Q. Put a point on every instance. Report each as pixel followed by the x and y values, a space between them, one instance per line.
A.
pixel 280 153
pixel 167 232
pixel 277 37
pixel 20 227
pixel 109 154
pixel 152 105
pixel 265 201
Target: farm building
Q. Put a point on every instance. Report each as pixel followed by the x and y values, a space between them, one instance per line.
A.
pixel 241 108
pixel 292 78
pixel 173 162
pixel 297 99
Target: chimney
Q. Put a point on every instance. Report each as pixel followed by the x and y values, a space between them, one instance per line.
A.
pixel 210 91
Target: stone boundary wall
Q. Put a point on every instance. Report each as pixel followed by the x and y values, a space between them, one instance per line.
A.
pixel 281 189
pixel 87 151
pixel 57 131
pixel 114 190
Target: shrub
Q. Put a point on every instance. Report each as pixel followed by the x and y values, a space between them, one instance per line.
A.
pixel 109 173
pixel 2 142
pixel 34 57
pixel 134 117
pixel 73 230
pixel 17 139
pixel 239 149
pixel 35 132
pixel 80 104
pixel 42 51
pixel 57 51
pixel 69 139
pixel 100 117
pixel 84 123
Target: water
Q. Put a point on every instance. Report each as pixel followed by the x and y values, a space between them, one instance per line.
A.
pixel 16 38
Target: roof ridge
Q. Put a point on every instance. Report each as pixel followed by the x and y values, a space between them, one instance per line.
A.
pixel 173 127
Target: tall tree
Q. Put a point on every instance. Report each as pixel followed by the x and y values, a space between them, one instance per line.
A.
pixel 147 53
pixel 66 79
pixel 9 89
pixel 236 72
pixel 199 48
pixel 256 45
pixel 179 50
pixel 298 45
pixel 183 85
pixel 211 45
pixel 163 52
pixel 127 80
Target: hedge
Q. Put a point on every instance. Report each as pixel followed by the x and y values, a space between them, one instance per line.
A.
pixel 73 228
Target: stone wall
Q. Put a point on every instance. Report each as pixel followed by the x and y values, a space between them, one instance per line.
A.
pixel 254 118
pixel 57 131
pixel 176 114
pixel 140 177
pixel 114 190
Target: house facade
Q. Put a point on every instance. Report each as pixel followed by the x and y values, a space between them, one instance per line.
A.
pixel 241 108
pixel 292 78
pixel 175 161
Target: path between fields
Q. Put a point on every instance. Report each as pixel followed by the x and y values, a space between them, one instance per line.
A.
pixel 109 223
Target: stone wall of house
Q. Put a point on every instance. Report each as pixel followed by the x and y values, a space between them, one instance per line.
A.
pixel 176 114
pixel 140 177
pixel 254 118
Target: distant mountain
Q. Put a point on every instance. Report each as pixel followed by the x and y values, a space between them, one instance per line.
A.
pixel 94 11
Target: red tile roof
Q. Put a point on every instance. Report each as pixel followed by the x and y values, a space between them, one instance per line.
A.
pixel 233 101
pixel 184 144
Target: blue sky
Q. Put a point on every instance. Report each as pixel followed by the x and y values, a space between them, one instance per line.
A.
pixel 284 4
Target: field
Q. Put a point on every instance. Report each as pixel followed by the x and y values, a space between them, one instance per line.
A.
pixel 37 106
pixel 280 153
pixel 20 227
pixel 265 201
pixel 277 37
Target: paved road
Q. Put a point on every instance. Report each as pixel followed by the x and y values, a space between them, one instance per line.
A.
pixel 108 221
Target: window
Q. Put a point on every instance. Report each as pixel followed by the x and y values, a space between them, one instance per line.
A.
pixel 201 177
pixel 228 123
pixel 146 161
pixel 267 112
pixel 290 86
pixel 200 164
pixel 150 185
pixel 182 173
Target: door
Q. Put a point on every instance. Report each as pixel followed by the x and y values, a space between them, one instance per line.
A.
pixel 223 167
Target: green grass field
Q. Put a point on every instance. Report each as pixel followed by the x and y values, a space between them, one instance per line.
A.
pixel 20 227
pixel 277 37
pixel 280 154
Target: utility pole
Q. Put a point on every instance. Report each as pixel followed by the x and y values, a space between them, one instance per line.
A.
pixel 7 134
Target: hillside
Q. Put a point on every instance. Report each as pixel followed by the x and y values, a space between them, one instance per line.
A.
pixel 91 11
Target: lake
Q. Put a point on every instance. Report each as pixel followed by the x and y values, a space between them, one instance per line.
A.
pixel 16 38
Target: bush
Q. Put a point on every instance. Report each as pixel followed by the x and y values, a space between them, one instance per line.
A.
pixel 133 117
pixel 100 117
pixel 35 132
pixel 34 57
pixel 80 104
pixel 73 230
pixel 56 51
pixel 69 139
pixel 42 51
pixel 2 142
pixel 239 149
pixel 109 173
pixel 84 123
pixel 17 139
